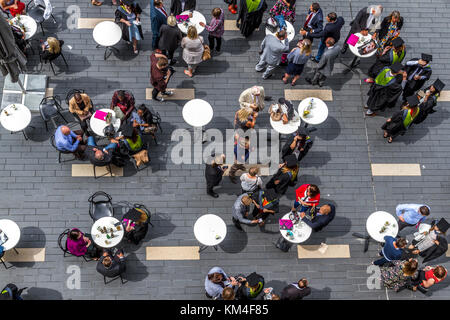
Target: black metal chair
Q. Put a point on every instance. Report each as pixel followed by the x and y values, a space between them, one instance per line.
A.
pixel 115 278
pixel 49 108
pixel 8 15
pixel 124 150
pixel 100 205
pixel 60 152
pixel 144 209
pixel 51 58
pixel 62 243
pixel 36 11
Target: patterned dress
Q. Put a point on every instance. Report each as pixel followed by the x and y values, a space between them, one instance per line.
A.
pixel 392 33
pixel 393 277
pixel 280 8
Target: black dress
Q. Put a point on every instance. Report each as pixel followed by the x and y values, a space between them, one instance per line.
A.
pixel 395 127
pixel 213 175
pixel 250 21
pixel 306 144
pixel 285 181
pixel 140 230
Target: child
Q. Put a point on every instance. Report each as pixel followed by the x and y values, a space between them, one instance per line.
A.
pixel 215 29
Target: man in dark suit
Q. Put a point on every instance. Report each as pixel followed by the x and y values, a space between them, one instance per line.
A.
pixel 332 29
pixel 158 16
pixel 213 174
pixel 179 6
pixel 296 291
pixel 326 63
pixel 320 218
pixel 111 266
pixel 314 21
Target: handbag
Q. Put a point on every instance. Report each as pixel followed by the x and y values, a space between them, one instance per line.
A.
pixel 206 52
pixel 119 113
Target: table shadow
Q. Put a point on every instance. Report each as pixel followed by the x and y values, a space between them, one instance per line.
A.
pixel 235 241
pixel 329 130
pixel 31 237
pixel 35 293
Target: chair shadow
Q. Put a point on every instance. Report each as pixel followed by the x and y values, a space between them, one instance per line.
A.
pixel 162 227
pixel 136 271
pixel 235 241
pixel 35 293
pixel 31 237
pixel 97 85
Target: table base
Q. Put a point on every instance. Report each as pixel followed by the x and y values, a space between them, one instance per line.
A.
pixel 111 49
pixel 205 247
pixel 24 134
pixel 355 62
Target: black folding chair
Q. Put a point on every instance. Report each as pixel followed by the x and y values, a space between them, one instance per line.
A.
pixel 100 205
pixel 49 108
pixel 37 13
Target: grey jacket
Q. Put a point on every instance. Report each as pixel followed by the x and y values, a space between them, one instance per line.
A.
pixel 273 48
pixel 326 63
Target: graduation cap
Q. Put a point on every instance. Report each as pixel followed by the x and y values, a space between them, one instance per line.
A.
pixel 438 85
pixel 397 42
pixel 427 57
pixel 396 67
pixel 302 131
pixel 127 130
pixel 291 160
pixel 443 225
pixel 253 279
pixel 413 100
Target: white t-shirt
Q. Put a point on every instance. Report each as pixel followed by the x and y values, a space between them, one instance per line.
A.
pixel 249 183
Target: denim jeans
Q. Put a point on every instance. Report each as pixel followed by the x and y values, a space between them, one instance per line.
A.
pixel 381 261
pixel 321 49
pixel 91 142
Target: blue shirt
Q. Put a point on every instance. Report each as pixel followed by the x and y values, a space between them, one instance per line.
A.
pixel 410 212
pixel 389 251
pixel 66 143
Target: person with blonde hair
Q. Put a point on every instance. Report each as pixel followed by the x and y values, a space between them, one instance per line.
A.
pixel 297 59
pixel 170 38
pixel 50 49
pixel 388 31
pixel 193 49
pixel 245 118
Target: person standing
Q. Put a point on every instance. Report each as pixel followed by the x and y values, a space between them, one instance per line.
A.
pixel 68 140
pixel 286 175
pixel 250 15
pixel 286 8
pixel 410 215
pixel 326 64
pixel 252 97
pixel 314 21
pixel 251 182
pixel 418 71
pixel 296 291
pixel 15 7
pixel 389 30
pixel 158 17
pixel 272 48
pixel 397 276
pixel 429 100
pixel 159 75
pixel 332 29
pixel 240 211
pixel 428 277
pixel 297 59
pixel 170 39
pixel 392 250
pixel 179 6
pixel 111 265
pixel 214 173
pixel 193 49
pixel 216 29
pixel 128 17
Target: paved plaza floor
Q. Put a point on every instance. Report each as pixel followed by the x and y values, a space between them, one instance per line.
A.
pixel 44 199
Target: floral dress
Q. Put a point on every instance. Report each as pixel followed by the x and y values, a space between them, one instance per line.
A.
pixel 392 33
pixel 393 277
pixel 280 8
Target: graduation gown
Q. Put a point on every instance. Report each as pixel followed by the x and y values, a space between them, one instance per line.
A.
pixel 435 251
pixel 306 145
pixel 385 91
pixel 250 21
pixel 120 15
pixel 386 60
pixel 175 6
pixel 397 124
pixel 412 67
pixel 286 179
pixel 426 107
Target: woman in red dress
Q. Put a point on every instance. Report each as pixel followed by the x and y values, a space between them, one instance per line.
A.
pixel 14 7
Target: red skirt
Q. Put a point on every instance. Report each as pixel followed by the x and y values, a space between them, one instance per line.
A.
pixel 19 10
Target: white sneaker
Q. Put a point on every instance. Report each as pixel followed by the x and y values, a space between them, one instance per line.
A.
pixel 369 112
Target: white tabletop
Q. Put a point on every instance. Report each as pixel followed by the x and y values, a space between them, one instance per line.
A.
pixel 100 238
pixel 377 220
pixel 12 231
pixel 301 231
pixel 194 21
pixel 26 22
pixel 98 125
pixel 210 230
pixel 16 120
pixel 197 112
pixel 362 39
pixel 318 113
pixel 290 31
pixel 287 128
pixel 107 33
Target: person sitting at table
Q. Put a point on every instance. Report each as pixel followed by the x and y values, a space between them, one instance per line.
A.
pixel 245 118
pixel 143 120
pixel 132 139
pixel 179 6
pixel 410 215
pixel 319 218
pixel 296 291
pixel 428 277
pixel 128 17
pixel 14 7
pixel 240 211
pixel 215 29
pixel 19 38
pixel 68 140
pixel 285 8
pixel 160 74
pixel 368 18
pixel 298 144
pixel 193 49
pixel 282 111
pixel 392 250
pixel 252 97
pixel 124 102
pixel 80 106
pixel 170 39
pixel 216 280
pixel 286 175
pixel 307 196
pixel 214 173
pixel 135 223
pixel 100 156
pixel 51 49
pixel 111 266
pixel 397 276
pixel 297 59
pixel 265 203
pixel 80 244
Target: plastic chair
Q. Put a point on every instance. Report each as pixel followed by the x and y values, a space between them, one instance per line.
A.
pixel 49 108
pixel 40 11
pixel 63 245
pixel 60 152
pixel 52 58
pixel 102 207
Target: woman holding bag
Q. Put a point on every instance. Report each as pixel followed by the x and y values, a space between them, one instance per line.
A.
pixel 193 49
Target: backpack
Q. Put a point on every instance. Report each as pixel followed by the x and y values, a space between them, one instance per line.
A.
pixel 283 245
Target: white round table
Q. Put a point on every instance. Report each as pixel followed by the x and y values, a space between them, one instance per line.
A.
pixel 318 112
pixel 210 230
pixel 12 231
pixel 100 238
pixel 287 128
pixel 362 39
pixel 194 21
pixel 290 31
pixel 375 223
pixel 27 23
pixel 197 112
pixel 107 34
pixel 15 120
pixel 300 230
pixel 97 125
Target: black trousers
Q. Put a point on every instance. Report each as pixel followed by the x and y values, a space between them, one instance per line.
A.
pixel 402 225
pixel 212 41
pixel 168 53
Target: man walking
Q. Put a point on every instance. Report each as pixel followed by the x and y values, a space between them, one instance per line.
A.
pixel 326 63
pixel 272 48
pixel 411 214
pixel 160 74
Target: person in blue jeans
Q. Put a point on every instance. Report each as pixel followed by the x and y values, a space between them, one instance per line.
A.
pixel 392 250
pixel 100 156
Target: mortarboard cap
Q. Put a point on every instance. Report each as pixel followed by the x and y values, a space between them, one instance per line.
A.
pixel 397 42
pixel 438 85
pixel 291 160
pixel 443 225
pixel 253 279
pixel 396 67
pixel 413 100
pixel 427 57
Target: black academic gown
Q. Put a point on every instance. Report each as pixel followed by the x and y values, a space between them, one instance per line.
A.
pixel 249 21
pixel 426 108
pixel 175 7
pixel 381 62
pixel 395 127
pixel 382 97
pixel 286 150
pixel 285 182
pixel 413 85
pixel 435 251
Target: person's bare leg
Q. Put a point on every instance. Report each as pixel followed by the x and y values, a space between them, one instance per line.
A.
pixel 294 80
pixel 135 45
pixel 285 78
